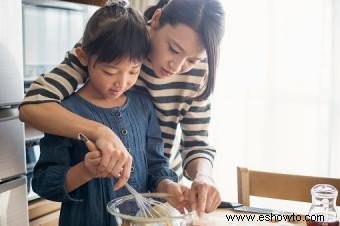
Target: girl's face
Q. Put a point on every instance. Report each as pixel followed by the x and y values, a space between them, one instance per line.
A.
pixel 111 80
pixel 108 81
pixel 174 49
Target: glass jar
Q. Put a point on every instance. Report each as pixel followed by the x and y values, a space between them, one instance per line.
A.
pixel 323 210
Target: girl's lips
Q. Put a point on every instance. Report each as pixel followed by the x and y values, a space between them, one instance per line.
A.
pixel 115 92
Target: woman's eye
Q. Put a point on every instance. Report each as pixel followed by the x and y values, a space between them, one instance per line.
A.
pixel 173 50
pixel 134 72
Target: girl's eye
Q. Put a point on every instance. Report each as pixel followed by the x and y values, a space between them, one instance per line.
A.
pixel 108 73
pixel 173 50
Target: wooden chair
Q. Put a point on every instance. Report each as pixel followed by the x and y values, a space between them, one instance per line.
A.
pixel 278 186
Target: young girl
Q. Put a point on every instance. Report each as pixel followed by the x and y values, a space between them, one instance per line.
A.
pixel 178 74
pixel 114 44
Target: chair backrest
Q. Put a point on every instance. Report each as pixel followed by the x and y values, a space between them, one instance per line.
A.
pixel 278 186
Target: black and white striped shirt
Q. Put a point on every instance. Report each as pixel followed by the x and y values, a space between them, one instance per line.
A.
pixel 174 99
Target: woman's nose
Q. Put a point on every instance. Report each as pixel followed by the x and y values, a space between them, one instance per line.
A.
pixel 176 65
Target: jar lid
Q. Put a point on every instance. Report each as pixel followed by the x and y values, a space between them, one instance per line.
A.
pixel 324 190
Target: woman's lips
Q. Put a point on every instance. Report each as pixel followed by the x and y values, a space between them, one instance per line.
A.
pixel 166 72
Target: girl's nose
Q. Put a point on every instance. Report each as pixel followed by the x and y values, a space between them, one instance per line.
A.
pixel 121 82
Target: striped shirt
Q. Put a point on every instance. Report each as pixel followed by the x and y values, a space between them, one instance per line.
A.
pixel 183 119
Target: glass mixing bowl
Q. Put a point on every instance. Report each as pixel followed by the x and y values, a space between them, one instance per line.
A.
pixel 127 213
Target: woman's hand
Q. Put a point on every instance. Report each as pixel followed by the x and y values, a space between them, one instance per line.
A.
pixel 179 194
pixel 115 160
pixel 204 196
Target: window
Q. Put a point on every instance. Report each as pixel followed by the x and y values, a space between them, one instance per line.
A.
pixel 277 93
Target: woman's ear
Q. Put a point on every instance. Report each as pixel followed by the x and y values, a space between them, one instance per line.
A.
pixel 82 56
pixel 155 18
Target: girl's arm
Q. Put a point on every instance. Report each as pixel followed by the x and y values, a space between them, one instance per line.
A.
pixel 40 109
pixel 83 172
pixel 77 176
pixel 50 171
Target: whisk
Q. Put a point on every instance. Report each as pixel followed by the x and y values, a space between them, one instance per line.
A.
pixel 148 207
pixel 151 208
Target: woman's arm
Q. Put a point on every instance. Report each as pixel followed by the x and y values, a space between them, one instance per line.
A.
pixel 199 168
pixel 198 157
pixel 40 106
pixel 53 118
pixel 158 164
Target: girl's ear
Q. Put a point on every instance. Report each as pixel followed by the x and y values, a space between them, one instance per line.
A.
pixel 82 56
pixel 155 18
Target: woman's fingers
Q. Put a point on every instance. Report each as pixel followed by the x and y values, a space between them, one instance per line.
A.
pixel 110 168
pixel 112 160
pixel 110 145
pixel 199 198
pixel 204 196
pixel 107 153
pixel 214 201
pixel 125 172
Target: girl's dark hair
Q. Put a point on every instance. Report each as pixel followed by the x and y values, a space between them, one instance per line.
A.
pixel 114 33
pixel 206 17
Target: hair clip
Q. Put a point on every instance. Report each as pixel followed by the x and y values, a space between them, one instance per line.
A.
pixel 122 3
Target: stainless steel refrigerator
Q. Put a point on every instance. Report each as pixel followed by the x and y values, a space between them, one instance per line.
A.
pixel 13 194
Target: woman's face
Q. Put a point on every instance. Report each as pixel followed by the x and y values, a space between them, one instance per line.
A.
pixel 174 49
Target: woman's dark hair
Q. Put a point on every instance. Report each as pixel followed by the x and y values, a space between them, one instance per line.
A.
pixel 114 33
pixel 206 17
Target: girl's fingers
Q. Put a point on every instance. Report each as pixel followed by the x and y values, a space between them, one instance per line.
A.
pixel 93 155
pixel 93 162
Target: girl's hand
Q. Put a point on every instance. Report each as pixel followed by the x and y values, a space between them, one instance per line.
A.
pixel 204 196
pixel 179 194
pixel 91 161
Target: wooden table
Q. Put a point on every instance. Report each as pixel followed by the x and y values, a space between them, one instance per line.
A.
pixel 218 218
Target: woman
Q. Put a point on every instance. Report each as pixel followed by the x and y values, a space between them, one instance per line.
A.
pixel 178 74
